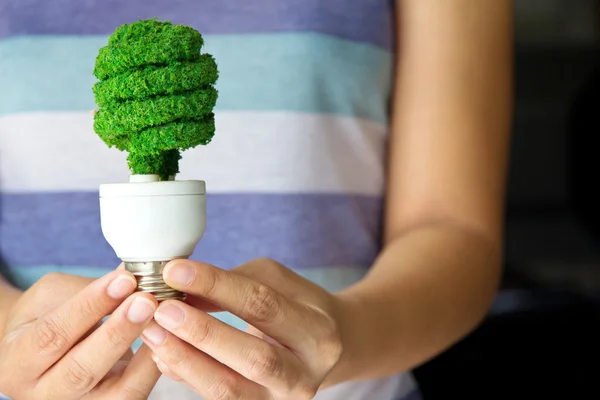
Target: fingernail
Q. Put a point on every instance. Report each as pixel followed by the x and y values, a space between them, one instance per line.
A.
pixel 169 316
pixel 121 286
pixel 179 273
pixel 155 334
pixel 140 310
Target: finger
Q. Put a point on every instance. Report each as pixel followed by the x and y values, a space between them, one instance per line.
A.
pixel 255 359
pixel 114 374
pixel 255 332
pixel 253 302
pixel 268 272
pixel 287 282
pixel 202 304
pixel 208 377
pixel 51 291
pixel 141 374
pixel 162 367
pixel 88 362
pixel 127 356
pixel 51 336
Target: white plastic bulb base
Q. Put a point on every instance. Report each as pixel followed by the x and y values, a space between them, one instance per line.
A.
pixel 149 222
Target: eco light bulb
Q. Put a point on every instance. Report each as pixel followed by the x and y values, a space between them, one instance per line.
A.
pixel 149 222
pixel 155 95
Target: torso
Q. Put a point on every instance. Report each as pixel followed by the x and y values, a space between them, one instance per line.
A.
pixel 295 171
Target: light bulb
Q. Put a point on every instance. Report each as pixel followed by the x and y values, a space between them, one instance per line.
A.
pixel 149 222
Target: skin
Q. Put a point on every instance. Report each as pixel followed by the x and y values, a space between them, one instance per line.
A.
pixel 441 261
pixel 56 326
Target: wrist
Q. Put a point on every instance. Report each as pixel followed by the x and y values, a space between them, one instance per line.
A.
pixel 355 331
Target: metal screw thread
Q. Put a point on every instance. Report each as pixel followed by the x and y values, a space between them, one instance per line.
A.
pixel 149 278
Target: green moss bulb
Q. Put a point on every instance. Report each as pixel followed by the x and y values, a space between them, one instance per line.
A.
pixel 155 94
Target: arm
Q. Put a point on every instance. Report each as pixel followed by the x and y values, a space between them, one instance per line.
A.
pixel 440 266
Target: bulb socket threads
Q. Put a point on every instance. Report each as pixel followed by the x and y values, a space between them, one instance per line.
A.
pixel 149 279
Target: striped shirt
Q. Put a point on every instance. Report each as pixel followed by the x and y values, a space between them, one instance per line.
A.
pixel 295 171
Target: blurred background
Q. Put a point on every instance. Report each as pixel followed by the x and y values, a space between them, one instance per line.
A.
pixel 553 225
pixel 543 334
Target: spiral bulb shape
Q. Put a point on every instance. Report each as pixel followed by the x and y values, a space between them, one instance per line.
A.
pixel 155 94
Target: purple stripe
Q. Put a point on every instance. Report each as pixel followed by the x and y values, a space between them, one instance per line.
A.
pixel 365 20
pixel 300 231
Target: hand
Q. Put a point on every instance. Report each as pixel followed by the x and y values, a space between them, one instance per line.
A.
pixel 54 346
pixel 291 345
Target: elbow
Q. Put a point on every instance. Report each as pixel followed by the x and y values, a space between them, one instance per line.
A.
pixel 470 271
pixel 484 284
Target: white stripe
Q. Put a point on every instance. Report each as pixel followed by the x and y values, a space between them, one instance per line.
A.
pixel 267 152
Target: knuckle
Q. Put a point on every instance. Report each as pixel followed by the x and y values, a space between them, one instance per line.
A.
pixel 210 279
pixel 262 304
pixel 174 357
pixel 49 337
pixel 227 388
pixel 268 267
pixel 263 363
pixel 201 332
pixel 114 336
pixel 268 263
pixel 78 376
pixel 132 393
pixel 91 308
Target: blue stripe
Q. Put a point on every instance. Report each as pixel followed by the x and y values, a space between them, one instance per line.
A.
pixel 299 230
pixel 283 72
pixel 360 20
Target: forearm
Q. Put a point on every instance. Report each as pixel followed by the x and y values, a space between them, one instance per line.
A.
pixel 429 287
pixel 8 296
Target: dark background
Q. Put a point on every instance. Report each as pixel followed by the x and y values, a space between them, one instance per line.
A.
pixel 552 224
pixel 542 338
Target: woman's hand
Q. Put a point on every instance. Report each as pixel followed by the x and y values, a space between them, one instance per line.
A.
pixel 55 348
pixel 291 346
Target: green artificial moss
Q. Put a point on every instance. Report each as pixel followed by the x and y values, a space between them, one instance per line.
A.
pixel 156 94
pixel 154 111
pixel 153 80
